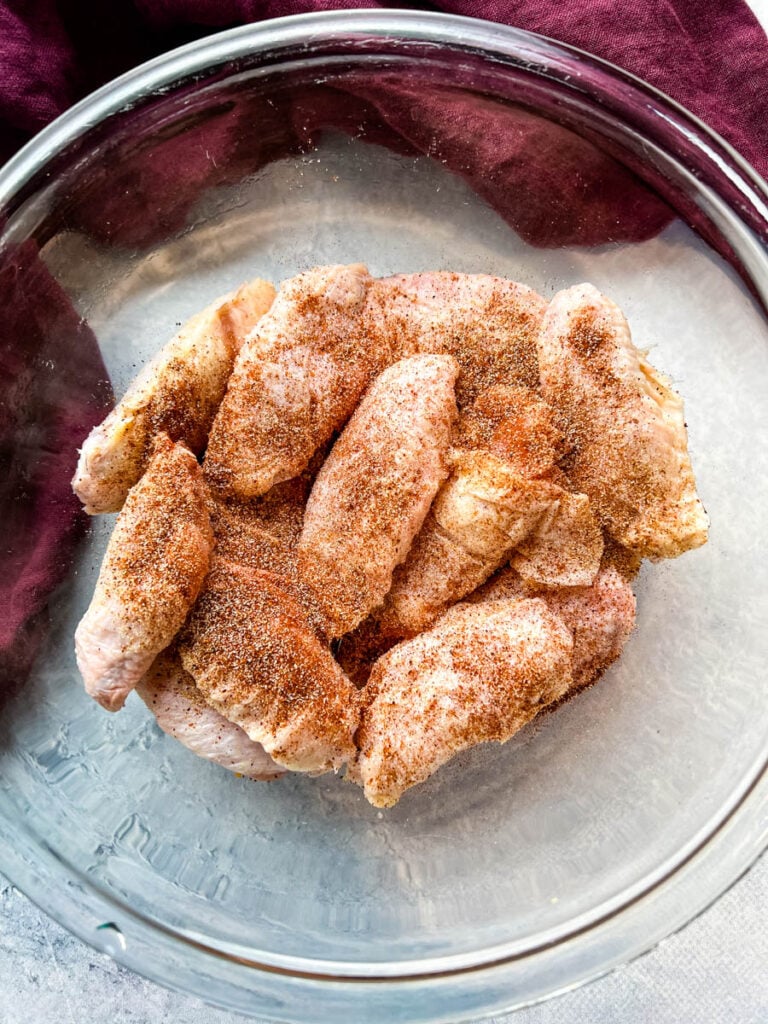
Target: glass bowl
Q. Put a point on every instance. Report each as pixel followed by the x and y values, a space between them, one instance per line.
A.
pixel 408 141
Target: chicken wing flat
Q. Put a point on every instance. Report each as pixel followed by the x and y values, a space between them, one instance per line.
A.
pixel 600 616
pixel 296 381
pixel 153 570
pixel 256 660
pixel 177 393
pixel 483 672
pixel 565 547
pixel 489 325
pixel 243 536
pixel 178 706
pixel 375 488
pixel 624 423
pixel 514 424
pixel 480 515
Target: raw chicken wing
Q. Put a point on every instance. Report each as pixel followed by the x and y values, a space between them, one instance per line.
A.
pixel 624 423
pixel 296 381
pixel 376 487
pixel 178 393
pixel 171 695
pixel 488 324
pixel 501 497
pixel 255 659
pixel 478 676
pixel 153 570
pixel 600 616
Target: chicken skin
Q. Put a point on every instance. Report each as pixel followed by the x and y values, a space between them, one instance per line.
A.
pixel 488 324
pixel 565 547
pixel 177 393
pixel 500 498
pixel 600 616
pixel 375 488
pixel 256 660
pixel 153 570
pixel 297 379
pixel 478 676
pixel 624 423
pixel 242 537
pixel 514 424
pixel 481 514
pixel 178 706
pixel 258 535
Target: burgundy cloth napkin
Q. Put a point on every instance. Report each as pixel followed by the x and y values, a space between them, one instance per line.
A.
pixel 53 389
pixel 712 57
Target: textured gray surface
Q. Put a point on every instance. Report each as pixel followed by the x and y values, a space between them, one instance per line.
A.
pixel 715 971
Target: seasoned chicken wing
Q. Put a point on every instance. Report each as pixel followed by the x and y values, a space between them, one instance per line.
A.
pixel 171 695
pixel 243 536
pixel 489 325
pixel 625 425
pixel 177 393
pixel 600 616
pixel 480 515
pixel 296 381
pixel 514 424
pixel 255 659
pixel 153 570
pixel 478 676
pixel 565 547
pixel 376 487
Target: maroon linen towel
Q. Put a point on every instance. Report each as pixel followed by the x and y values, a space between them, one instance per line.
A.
pixel 712 57
pixel 53 389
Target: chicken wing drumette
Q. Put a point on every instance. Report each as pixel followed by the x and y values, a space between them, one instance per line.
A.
pixel 478 676
pixel 153 570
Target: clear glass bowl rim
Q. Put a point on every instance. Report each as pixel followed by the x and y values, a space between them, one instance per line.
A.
pixel 702 872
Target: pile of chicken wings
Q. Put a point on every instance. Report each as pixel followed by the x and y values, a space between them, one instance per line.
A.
pixel 365 524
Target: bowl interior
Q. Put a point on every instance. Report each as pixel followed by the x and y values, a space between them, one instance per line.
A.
pixel 591 805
